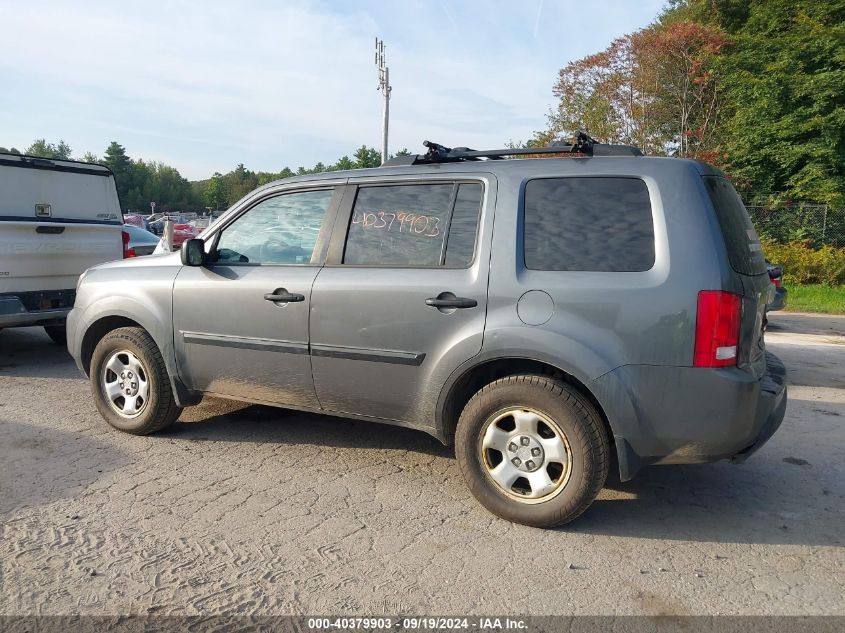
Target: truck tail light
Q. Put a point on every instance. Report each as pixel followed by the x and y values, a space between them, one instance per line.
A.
pixel 776 282
pixel 127 252
pixel 717 329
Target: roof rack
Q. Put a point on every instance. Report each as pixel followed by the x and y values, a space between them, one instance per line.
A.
pixel 583 146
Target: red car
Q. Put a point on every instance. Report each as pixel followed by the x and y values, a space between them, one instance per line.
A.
pixel 182 232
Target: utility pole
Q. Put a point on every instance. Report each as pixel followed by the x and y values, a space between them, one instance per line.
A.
pixel 384 86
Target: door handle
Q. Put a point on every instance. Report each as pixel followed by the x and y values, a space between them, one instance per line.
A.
pixel 281 295
pixel 457 302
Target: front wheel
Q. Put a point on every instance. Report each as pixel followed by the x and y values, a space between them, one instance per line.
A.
pixel 532 449
pixel 130 383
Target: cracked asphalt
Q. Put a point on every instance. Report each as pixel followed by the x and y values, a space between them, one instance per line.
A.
pixel 249 509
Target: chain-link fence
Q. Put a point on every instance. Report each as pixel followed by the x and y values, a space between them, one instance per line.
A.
pixel 816 224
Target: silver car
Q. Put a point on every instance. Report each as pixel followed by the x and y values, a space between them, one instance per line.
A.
pixel 545 315
pixel 140 241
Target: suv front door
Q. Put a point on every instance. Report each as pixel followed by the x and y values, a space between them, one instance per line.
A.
pixel 402 299
pixel 241 321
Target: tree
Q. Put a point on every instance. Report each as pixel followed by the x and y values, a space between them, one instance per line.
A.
pixel 679 58
pixel 655 89
pixel 344 163
pixel 42 148
pixel 215 192
pixel 90 157
pixel 367 157
pixel 12 150
pixel 115 158
pixel 784 82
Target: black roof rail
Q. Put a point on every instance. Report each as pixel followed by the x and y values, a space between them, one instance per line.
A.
pixel 583 146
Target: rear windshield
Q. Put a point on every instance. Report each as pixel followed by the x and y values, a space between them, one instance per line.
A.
pixel 741 241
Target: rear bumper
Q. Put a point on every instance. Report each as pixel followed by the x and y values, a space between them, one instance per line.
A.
pixel 685 415
pixel 771 408
pixel 49 307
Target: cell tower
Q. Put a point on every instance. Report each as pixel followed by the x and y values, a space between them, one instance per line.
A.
pixel 384 86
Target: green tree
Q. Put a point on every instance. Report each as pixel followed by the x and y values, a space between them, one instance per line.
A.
pixel 40 147
pixel 367 157
pixel 785 98
pixel 115 158
pixel 90 157
pixel 344 163
pixel 215 192
pixel 238 183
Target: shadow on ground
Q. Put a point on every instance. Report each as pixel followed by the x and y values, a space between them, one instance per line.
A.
pixel 39 465
pixel 29 353
pixel 767 500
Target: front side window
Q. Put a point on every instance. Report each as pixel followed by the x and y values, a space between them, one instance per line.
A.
pixel 588 224
pixel 414 225
pixel 279 230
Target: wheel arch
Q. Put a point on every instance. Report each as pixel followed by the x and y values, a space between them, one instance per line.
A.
pixel 106 319
pixel 95 333
pixel 467 380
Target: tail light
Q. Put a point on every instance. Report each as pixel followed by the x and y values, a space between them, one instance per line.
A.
pixel 717 329
pixel 776 282
pixel 127 251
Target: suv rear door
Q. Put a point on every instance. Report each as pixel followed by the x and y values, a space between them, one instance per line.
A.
pixel 402 299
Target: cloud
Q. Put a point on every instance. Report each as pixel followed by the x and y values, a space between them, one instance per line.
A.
pixel 273 84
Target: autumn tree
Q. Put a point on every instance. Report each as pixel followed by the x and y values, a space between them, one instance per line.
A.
pixel 654 89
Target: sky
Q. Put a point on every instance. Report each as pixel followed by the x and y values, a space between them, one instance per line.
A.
pixel 203 86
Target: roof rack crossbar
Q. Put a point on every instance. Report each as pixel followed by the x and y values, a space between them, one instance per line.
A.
pixel 583 146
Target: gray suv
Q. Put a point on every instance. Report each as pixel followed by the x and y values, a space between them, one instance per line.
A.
pixel 544 314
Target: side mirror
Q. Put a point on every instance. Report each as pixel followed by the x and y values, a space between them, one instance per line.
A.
pixel 193 252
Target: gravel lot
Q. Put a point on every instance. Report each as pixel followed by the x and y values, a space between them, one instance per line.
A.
pixel 253 509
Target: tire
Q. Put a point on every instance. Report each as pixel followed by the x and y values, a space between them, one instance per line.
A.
pixel 127 360
pixel 537 416
pixel 58 333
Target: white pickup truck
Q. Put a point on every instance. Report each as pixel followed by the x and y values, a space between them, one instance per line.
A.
pixel 57 218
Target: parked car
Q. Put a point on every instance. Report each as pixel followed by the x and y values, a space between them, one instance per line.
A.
pixel 140 242
pixel 182 232
pixel 57 218
pixel 133 219
pixel 777 293
pixel 614 307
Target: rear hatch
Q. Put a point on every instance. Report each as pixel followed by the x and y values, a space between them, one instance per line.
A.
pixel 749 266
pixel 57 218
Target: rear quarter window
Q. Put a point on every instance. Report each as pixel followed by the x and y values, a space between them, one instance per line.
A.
pixel 744 250
pixel 599 224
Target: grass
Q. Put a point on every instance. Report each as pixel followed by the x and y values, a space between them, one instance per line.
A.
pixel 816 298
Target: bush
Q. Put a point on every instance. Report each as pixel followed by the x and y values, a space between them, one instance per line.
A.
pixel 803 264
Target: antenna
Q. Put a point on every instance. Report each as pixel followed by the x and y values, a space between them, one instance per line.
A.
pixel 385 87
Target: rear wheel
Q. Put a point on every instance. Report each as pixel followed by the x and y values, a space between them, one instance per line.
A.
pixel 130 383
pixel 532 449
pixel 57 332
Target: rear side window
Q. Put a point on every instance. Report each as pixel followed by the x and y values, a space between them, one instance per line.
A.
pixel 423 226
pixel 743 245
pixel 588 224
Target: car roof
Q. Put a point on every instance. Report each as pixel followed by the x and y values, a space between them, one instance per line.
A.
pixel 584 164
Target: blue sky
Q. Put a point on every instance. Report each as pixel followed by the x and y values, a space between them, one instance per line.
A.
pixel 203 86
